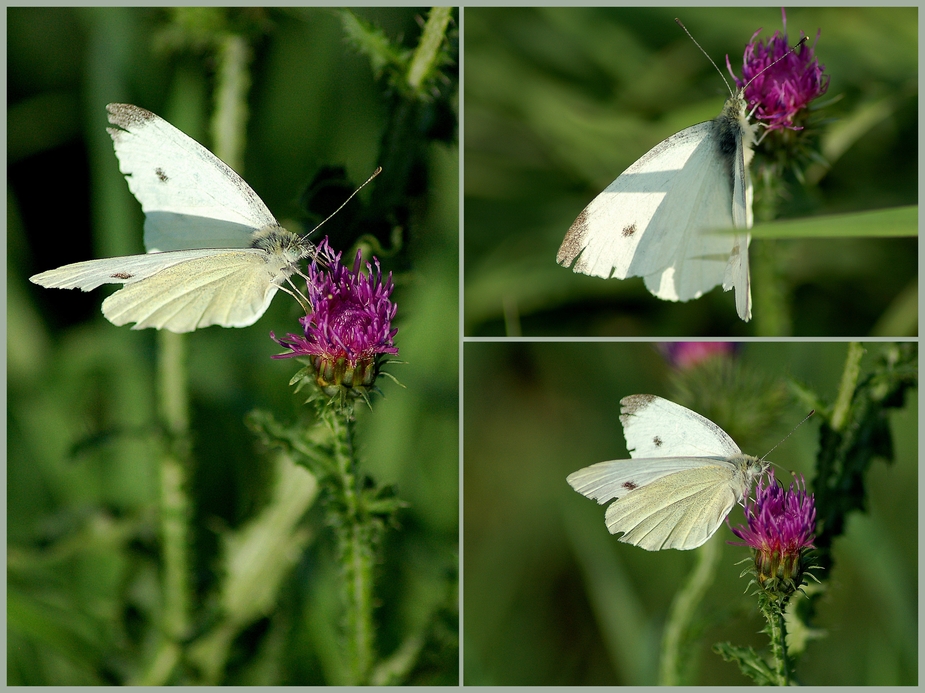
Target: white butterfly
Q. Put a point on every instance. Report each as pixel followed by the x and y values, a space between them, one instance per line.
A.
pixel 216 256
pixel 684 478
pixel 667 217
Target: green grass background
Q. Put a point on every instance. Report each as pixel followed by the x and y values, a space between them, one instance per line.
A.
pixel 559 101
pixel 551 598
pixel 81 469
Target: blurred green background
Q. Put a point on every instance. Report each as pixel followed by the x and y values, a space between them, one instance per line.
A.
pixel 558 102
pixel 551 598
pixel 81 419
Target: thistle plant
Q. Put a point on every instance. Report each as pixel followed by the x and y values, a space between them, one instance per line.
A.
pixel 780 83
pixel 789 530
pixel 780 530
pixel 347 337
pixel 348 331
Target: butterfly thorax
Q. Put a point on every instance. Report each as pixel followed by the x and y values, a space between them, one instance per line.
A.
pixel 731 128
pixel 277 241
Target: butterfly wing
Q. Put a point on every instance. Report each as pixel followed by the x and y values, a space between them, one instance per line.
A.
pixel 231 288
pixel 652 220
pixel 191 199
pixel 605 481
pixel 684 478
pixel 655 427
pixel 90 274
pixel 676 511
pixel 737 274
pixel 666 218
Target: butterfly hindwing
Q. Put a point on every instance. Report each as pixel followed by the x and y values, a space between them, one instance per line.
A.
pixel 735 122
pixel 677 511
pixel 228 288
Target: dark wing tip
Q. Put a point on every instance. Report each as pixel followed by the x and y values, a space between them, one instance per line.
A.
pixel 125 115
pixel 633 404
pixel 573 243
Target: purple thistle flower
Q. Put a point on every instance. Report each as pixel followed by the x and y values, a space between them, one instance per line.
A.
pixel 779 94
pixel 684 355
pixel 349 331
pixel 781 527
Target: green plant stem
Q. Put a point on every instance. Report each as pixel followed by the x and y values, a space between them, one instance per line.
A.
pixel 229 119
pixel 401 146
pixel 682 611
pixel 357 554
pixel 173 410
pixel 847 386
pixel 425 55
pixel 774 613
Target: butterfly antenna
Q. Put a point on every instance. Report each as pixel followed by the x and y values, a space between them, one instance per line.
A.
pixel 731 93
pixel 789 434
pixel 344 203
pixel 799 43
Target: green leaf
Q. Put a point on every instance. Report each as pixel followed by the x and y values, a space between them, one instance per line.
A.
pixel 750 663
pixel 880 223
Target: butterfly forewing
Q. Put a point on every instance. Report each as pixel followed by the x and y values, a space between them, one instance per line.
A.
pixel 655 427
pixel 90 274
pixel 173 175
pixel 628 230
pixel 668 218
pixel 605 481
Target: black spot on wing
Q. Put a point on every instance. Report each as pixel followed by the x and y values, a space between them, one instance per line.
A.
pixel 657 442
pixel 121 275
pixel 161 176
pixel 629 230
pixel 630 486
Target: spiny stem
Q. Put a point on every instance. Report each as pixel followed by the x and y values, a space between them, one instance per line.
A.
pixel 846 387
pixel 425 55
pixel 774 613
pixel 355 537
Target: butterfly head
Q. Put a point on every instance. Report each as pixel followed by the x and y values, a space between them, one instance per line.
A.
pixel 748 469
